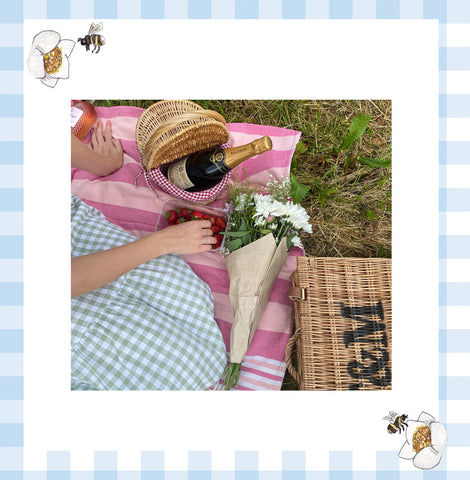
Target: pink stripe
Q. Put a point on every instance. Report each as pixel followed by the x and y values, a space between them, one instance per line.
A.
pixel 279 367
pixel 131 205
pixel 119 111
pixel 255 382
pixel 125 174
pixel 254 129
pixel 134 221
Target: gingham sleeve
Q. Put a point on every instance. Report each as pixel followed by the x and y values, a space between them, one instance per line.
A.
pixel 151 329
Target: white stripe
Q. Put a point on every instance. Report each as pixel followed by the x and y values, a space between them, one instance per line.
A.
pixel 458 176
pixel 457 35
pixel 126 9
pixel 458 223
pixel 457 318
pixel 262 368
pixel 11 411
pixel 458 270
pixel 458 82
pixel 458 459
pixel 11 83
pixel 176 9
pixel 11 364
pixel 11 176
pixel 259 358
pixel 458 365
pixel 270 8
pixel 11 270
pixel 11 129
pixel 11 318
pixel 11 34
pixel 223 9
pixel 458 129
pixel 281 144
pixel 11 223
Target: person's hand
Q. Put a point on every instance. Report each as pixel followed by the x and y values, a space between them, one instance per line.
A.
pixel 103 143
pixel 188 237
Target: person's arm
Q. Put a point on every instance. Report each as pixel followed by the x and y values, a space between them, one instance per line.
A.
pixel 95 270
pixel 102 156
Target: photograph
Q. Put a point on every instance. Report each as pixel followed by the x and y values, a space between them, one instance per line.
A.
pixel 249 207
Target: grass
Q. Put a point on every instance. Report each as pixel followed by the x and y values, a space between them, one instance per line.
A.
pixel 348 200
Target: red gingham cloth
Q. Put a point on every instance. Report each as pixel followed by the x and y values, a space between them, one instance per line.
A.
pixel 157 177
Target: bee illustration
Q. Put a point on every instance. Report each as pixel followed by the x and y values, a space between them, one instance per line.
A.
pixel 93 38
pixel 397 422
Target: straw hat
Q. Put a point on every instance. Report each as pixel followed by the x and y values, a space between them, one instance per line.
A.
pixel 171 129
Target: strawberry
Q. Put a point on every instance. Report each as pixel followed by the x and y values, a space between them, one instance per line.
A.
pixel 219 221
pixel 171 217
pixel 181 220
pixel 215 229
pixel 205 216
pixel 219 239
pixel 184 213
pixel 197 215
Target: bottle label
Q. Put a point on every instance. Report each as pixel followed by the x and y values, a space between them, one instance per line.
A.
pixel 76 114
pixel 218 159
pixel 178 176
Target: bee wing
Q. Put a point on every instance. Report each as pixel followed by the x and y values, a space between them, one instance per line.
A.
pixel 388 418
pixel 393 414
pixel 95 28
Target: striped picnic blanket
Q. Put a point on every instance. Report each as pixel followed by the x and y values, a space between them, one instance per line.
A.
pixel 126 200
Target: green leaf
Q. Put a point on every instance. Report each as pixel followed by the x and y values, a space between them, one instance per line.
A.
pixel 356 129
pixel 234 244
pixel 297 190
pixel 235 234
pixel 375 163
pixel 300 148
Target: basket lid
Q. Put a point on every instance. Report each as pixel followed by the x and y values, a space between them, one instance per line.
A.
pixel 171 129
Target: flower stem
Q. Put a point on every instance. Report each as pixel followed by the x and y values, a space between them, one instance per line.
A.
pixel 232 376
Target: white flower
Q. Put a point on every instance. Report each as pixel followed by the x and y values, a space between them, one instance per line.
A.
pixel 240 202
pixel 48 58
pixel 264 206
pixel 296 242
pixel 426 439
pixel 297 216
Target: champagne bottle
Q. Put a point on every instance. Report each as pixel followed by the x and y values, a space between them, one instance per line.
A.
pixel 202 170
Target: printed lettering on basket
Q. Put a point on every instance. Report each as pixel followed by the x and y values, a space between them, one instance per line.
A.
pixel 374 354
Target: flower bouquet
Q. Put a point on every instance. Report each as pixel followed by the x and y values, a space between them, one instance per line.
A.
pixel 262 228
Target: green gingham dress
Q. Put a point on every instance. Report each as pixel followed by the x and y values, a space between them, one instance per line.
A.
pixel 151 329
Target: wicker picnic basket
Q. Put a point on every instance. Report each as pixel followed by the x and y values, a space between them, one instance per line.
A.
pixel 171 129
pixel 343 324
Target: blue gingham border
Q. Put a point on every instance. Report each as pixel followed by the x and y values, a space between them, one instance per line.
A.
pixel 454 211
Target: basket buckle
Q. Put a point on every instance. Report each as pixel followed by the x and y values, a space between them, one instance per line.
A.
pixel 297 294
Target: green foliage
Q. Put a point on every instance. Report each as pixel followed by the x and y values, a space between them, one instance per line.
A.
pixel 356 130
pixel 298 190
